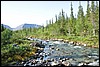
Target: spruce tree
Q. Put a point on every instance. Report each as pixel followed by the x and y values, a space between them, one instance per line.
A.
pixel 93 17
pixel 80 21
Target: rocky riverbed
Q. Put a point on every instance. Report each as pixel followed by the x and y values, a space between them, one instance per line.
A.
pixel 57 53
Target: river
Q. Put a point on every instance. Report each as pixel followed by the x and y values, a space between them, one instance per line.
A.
pixel 60 53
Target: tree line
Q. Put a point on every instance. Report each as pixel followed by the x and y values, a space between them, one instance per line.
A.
pixel 82 25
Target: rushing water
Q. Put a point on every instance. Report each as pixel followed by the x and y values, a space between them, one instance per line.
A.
pixel 74 54
pixel 77 53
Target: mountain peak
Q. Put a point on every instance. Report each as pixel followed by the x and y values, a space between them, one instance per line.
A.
pixel 22 26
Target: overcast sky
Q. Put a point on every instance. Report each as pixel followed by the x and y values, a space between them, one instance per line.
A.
pixel 15 13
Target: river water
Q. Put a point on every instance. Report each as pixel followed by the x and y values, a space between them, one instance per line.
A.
pixel 75 55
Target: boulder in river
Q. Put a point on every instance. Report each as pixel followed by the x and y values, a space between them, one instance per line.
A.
pixel 57 49
pixel 94 64
pixel 65 63
pixel 56 42
pixel 77 46
pixel 80 64
pixel 53 63
pixel 71 42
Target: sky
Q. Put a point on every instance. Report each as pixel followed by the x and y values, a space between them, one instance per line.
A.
pixel 15 13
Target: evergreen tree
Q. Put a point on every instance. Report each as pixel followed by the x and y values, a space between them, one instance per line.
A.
pixel 62 24
pixel 88 24
pixel 2 28
pixel 66 24
pixel 80 20
pixel 46 24
pixel 52 20
pixel 56 18
pixel 93 17
pixel 71 22
pixel 97 17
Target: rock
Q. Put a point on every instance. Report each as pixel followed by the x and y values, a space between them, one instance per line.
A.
pixel 64 59
pixel 60 39
pixel 53 63
pixel 56 42
pixel 25 64
pixel 94 64
pixel 47 40
pixel 97 61
pixel 80 64
pixel 44 42
pixel 85 44
pixel 65 63
pixel 52 47
pixel 74 63
pixel 57 49
pixel 77 46
pixel 66 41
pixel 71 42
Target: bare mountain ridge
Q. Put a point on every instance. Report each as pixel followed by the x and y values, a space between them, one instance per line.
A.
pixel 22 26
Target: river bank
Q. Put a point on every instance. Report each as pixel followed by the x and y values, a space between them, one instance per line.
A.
pixel 89 41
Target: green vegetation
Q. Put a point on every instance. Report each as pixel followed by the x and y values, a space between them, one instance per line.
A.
pixel 11 54
pixel 16 54
pixel 83 28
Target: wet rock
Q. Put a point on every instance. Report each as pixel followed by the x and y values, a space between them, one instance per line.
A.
pixel 56 42
pixel 52 47
pixel 84 44
pixel 77 46
pixel 60 40
pixel 80 64
pixel 64 59
pixel 97 61
pixel 74 63
pixel 66 41
pixel 66 63
pixel 71 42
pixel 57 49
pixel 47 40
pixel 94 64
pixel 53 63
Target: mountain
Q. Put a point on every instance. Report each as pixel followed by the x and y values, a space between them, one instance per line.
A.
pixel 23 26
pixel 8 27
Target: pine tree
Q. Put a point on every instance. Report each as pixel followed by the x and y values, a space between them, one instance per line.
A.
pixel 52 21
pixel 62 18
pixel 80 21
pixel 56 18
pixel 97 17
pixel 2 28
pixel 93 17
pixel 88 23
pixel 62 23
pixel 71 23
pixel 46 25
pixel 66 24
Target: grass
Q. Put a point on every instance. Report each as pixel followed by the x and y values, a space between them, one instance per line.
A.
pixel 91 41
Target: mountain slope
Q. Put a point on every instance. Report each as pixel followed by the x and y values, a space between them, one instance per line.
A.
pixel 23 26
pixel 8 27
